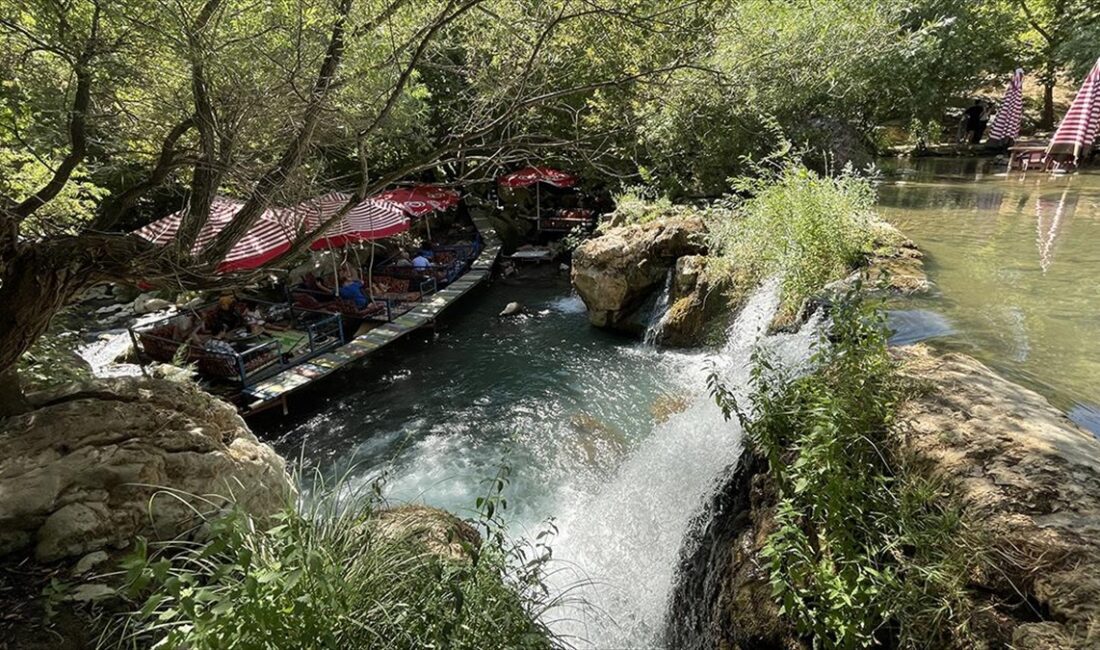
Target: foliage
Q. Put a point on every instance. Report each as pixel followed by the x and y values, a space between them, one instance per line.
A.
pixel 864 551
pixel 52 361
pixel 807 228
pixel 323 575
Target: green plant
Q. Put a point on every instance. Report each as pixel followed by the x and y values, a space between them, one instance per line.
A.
pixel 865 551
pixel 806 228
pixel 327 572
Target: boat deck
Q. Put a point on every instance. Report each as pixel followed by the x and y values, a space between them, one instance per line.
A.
pixel 274 390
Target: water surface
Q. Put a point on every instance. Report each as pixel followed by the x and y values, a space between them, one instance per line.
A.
pixel 1015 259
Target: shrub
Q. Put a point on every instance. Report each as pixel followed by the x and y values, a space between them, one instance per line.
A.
pixel 324 574
pixel 807 228
pixel 864 551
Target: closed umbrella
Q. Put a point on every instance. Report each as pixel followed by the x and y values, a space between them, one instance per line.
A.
pixel 272 235
pixel 1006 126
pixel 1077 132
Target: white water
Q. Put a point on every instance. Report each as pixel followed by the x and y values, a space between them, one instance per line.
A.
pixel 627 537
pixel 660 310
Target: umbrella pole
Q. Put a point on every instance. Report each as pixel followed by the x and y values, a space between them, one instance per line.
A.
pixel 370 273
pixel 335 274
pixel 428 225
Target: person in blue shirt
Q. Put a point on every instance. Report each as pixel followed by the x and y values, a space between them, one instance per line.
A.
pixel 352 289
pixel 421 262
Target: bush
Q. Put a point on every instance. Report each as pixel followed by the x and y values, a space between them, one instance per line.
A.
pixel 864 551
pixel 806 228
pixel 326 575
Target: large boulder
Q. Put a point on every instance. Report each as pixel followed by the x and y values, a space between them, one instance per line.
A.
pixel 92 468
pixel 1029 479
pixel 617 272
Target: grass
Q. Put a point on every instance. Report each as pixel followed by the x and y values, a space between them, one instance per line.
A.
pixel 865 551
pixel 328 573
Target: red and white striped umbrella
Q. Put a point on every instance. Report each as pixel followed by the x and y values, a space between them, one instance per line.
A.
pixel 272 235
pixel 370 219
pixel 420 200
pixel 1006 126
pixel 1077 132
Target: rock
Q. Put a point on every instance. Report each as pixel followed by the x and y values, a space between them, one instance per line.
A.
pixel 148 303
pixel 616 272
pixel 695 302
pixel 1028 478
pixel 98 292
pixel 104 461
pixel 511 309
pixel 125 293
pixel 90 592
pixel 441 533
pixel 90 561
pixel 109 309
pixel 896 264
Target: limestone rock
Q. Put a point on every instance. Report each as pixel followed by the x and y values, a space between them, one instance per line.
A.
pixel 896 262
pixel 148 303
pixel 440 532
pixel 511 309
pixel 615 272
pixel 694 302
pixel 102 462
pixel 90 561
pixel 1028 477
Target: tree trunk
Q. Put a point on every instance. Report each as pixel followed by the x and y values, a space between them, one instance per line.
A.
pixel 36 285
pixel 1046 122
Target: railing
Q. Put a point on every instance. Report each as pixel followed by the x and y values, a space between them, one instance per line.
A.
pixel 162 341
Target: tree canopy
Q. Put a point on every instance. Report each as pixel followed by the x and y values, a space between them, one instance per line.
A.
pixel 115 112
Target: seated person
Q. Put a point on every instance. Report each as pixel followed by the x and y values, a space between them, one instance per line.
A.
pixel 403 260
pixel 352 291
pixel 226 317
pixel 421 262
pixel 256 321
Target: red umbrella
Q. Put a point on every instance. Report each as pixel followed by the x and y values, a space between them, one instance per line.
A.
pixel 421 200
pixel 1077 132
pixel 368 220
pixel 1006 126
pixel 272 235
pixel 531 175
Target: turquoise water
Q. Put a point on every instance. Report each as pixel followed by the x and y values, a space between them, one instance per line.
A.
pixel 1015 259
pixel 616 441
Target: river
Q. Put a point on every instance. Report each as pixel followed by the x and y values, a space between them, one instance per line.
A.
pixel 1015 260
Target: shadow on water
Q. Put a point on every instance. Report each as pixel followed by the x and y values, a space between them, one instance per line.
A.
pixel 1016 267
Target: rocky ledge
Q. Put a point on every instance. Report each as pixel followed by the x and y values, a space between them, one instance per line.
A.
pixel 618 273
pixel 1027 478
pixel 98 464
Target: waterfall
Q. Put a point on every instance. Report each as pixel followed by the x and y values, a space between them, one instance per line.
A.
pixel 627 538
pixel 660 309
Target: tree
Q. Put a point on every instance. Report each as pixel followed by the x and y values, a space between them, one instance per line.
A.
pixel 270 103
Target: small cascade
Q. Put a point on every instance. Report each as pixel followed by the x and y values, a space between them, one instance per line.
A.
pixel 660 310
pixel 628 537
